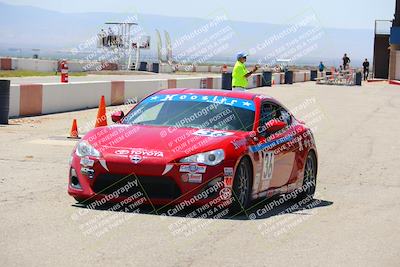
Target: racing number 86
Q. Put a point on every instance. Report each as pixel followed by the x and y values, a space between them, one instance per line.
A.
pixel 268 166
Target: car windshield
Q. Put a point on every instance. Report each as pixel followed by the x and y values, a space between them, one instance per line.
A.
pixel 194 111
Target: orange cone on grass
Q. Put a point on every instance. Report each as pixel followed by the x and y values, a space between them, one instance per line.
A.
pixel 101 119
pixel 74 130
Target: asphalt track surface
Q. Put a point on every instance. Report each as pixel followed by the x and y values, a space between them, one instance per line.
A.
pixel 353 222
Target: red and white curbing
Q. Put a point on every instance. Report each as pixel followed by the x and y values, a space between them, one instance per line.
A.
pixel 394 82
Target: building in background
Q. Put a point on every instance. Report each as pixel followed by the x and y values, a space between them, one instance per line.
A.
pixel 381 49
pixel 394 59
pixel 386 62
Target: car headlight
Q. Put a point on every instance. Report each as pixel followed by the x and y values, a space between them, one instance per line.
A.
pixel 211 158
pixel 85 149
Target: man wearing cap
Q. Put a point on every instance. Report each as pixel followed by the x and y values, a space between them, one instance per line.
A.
pixel 240 73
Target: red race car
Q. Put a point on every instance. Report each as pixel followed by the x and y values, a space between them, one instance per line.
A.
pixel 193 146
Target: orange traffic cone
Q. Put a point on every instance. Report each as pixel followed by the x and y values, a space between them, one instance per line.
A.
pixel 74 130
pixel 101 119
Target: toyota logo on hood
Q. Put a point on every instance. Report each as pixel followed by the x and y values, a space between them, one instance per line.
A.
pixel 136 159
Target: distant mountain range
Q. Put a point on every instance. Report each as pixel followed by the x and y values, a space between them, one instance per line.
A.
pixel 23 28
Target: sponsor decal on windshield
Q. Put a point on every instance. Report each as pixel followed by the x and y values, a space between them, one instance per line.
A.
pixel 229 101
pixel 212 133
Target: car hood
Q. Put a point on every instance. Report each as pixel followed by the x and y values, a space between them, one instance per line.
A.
pixel 158 143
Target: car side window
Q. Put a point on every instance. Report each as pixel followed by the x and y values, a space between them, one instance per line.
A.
pixel 270 111
pixel 285 116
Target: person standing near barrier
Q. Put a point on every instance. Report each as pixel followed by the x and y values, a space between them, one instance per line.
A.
pixel 240 73
pixel 103 36
pixel 224 68
pixel 366 69
pixel 346 61
pixel 110 37
pixel 321 67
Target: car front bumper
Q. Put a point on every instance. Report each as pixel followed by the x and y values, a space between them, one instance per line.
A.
pixel 192 184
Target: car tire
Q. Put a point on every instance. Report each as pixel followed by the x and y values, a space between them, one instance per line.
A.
pixel 242 183
pixel 310 177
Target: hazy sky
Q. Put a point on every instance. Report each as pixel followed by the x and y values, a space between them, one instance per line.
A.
pixel 334 13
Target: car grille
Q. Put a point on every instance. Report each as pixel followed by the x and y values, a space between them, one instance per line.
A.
pixel 152 186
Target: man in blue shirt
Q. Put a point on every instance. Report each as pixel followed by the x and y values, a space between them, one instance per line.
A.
pixel 321 67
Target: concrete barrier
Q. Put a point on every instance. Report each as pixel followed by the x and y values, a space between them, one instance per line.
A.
pixel 37 99
pixel 85 65
pixel 35 64
pixel 6 64
pixel 139 89
pixel 298 77
pixel 72 96
pixel 282 78
pixel 188 83
pixel 254 81
pixel 165 68
pixel 47 98
pixel 307 76
pixel 201 68
pixel 277 78
pixel 216 69
pixel 75 66
pixel 51 65
pixel 185 68
pixel 14 100
pixel 217 82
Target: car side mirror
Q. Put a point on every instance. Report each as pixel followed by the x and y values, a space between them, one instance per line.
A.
pixel 274 126
pixel 117 116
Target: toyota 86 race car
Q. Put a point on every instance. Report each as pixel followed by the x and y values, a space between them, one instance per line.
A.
pixel 193 146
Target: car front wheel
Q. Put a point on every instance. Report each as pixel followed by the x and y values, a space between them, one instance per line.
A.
pixel 242 186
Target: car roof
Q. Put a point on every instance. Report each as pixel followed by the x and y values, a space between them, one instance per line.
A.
pixel 213 92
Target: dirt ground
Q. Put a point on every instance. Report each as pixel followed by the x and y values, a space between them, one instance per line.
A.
pixel 354 221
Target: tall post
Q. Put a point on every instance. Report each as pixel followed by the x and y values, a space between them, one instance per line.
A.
pixel 137 55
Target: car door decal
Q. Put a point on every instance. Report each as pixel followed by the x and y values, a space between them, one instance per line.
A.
pixel 271 144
